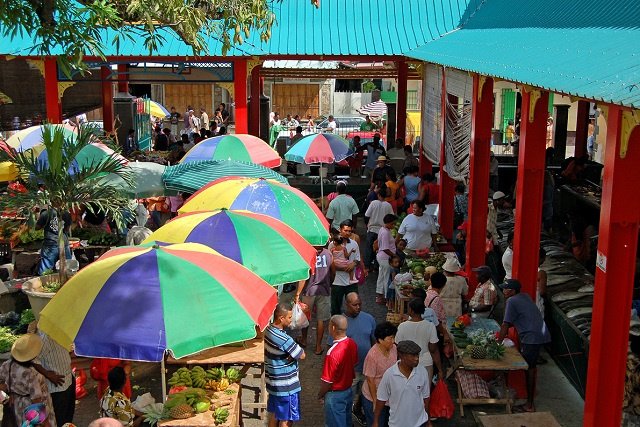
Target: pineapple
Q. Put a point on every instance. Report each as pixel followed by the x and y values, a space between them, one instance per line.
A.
pixel 495 350
pixel 182 411
pixel 478 352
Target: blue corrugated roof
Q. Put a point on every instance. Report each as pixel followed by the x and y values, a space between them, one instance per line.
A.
pixel 338 27
pixel 585 48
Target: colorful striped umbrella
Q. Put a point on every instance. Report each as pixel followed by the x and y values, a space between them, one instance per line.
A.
pixel 266 246
pixel 137 302
pixel 91 154
pixel 246 148
pixel 157 110
pixel 190 177
pixel 281 202
pixel 320 148
pixel 32 136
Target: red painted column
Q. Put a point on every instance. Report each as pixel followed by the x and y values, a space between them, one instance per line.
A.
pixel 447 185
pixel 528 220
pixel 123 78
pixel 254 106
pixel 107 100
pixel 617 246
pixel 582 129
pixel 401 114
pixel 240 95
pixel 52 101
pixel 481 125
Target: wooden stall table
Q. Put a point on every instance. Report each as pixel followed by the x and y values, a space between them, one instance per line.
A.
pixel 206 418
pixel 511 361
pixel 400 304
pixel 250 354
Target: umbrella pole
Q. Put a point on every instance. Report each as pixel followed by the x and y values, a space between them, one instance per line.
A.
pixel 321 188
pixel 164 382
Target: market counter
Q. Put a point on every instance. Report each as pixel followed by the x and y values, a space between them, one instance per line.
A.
pixel 206 418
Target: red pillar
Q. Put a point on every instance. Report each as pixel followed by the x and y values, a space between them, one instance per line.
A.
pixel 401 114
pixel 52 101
pixel 531 162
pixel 107 100
pixel 582 128
pixel 254 110
pixel 447 185
pixel 123 78
pixel 617 246
pixel 240 95
pixel 481 125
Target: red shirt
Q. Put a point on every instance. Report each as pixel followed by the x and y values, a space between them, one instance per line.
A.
pixel 339 364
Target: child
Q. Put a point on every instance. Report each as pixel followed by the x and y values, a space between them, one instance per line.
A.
pixel 394 263
pixel 402 245
pixel 340 254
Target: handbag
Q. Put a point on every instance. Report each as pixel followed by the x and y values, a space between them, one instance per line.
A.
pixel 8 412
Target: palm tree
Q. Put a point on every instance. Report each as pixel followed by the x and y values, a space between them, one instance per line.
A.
pixel 61 185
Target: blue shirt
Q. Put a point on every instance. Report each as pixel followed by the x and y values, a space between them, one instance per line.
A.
pixel 281 375
pixel 521 311
pixel 360 329
pixel 430 315
pixel 412 187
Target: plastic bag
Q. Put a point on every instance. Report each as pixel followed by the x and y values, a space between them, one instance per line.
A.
pixel 143 401
pixel 358 274
pixel 441 404
pixel 300 320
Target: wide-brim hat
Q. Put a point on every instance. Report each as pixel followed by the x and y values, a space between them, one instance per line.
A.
pixel 451 265
pixel 27 347
pixel 382 158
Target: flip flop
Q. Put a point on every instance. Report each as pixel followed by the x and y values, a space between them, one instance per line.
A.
pixel 520 409
pixel 319 354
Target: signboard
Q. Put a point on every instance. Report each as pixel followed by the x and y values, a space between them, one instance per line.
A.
pixel 601 262
pixel 296 80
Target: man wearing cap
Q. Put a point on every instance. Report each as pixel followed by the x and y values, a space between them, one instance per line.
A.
pixel 522 313
pixel 374 151
pixel 406 387
pixel 338 374
pixel 380 171
pixel 492 216
pixel 342 207
pixel 484 297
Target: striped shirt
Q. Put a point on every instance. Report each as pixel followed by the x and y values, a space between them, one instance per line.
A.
pixel 281 375
pixel 54 357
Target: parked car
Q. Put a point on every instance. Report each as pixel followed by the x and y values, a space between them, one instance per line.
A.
pixel 344 125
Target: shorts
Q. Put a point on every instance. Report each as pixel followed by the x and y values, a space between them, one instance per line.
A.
pixel 322 304
pixel 530 353
pixel 358 382
pixel 284 408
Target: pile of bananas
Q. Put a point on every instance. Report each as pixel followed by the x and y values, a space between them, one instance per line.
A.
pixel 181 378
pixel 214 385
pixel 216 379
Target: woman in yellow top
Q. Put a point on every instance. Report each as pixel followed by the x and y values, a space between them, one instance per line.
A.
pixel 394 197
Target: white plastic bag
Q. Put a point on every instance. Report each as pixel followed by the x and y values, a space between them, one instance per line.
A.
pixel 300 320
pixel 143 401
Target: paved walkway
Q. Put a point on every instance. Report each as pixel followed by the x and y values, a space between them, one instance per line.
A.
pixel 555 393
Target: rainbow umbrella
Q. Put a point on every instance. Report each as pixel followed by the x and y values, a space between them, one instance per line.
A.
pixel 137 302
pixel 266 246
pixel 246 148
pixel 30 137
pixel 320 148
pixel 92 154
pixel 271 198
pixel 157 110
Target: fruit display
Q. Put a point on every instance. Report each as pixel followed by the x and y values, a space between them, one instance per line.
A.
pixel 478 352
pixel 216 379
pixel 220 415
pixel 479 344
pixel 182 411
pixel 31 235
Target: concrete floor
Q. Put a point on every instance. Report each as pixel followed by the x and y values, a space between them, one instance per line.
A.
pixel 555 393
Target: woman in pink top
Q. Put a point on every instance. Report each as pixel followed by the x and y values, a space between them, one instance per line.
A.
pixel 381 357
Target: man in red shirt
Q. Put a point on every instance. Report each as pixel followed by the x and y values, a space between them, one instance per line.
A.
pixel 337 375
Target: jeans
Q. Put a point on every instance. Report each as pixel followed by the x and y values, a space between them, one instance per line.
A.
pixel 49 256
pixel 369 254
pixel 384 272
pixel 337 295
pixel 367 406
pixel 337 408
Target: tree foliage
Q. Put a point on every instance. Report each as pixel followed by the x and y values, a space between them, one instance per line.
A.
pixel 76 26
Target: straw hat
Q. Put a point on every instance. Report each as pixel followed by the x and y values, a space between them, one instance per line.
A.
pixel 26 348
pixel 451 265
pixel 382 158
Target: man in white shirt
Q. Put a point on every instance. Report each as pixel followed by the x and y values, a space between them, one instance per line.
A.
pixel 406 387
pixel 375 216
pixel 396 156
pixel 331 126
pixel 507 257
pixel 342 283
pixel 204 119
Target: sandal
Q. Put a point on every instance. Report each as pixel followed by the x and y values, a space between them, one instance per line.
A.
pixel 520 409
pixel 321 351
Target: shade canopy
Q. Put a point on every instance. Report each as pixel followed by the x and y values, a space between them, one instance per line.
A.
pixel 137 302
pixel 320 148
pixel 246 148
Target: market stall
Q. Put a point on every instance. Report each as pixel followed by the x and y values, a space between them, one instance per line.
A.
pixel 251 353
pixel 475 351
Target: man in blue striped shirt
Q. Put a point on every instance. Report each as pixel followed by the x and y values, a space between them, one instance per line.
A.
pixel 281 355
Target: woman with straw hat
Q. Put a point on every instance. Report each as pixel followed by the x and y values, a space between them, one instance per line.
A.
pixel 20 380
pixel 455 289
